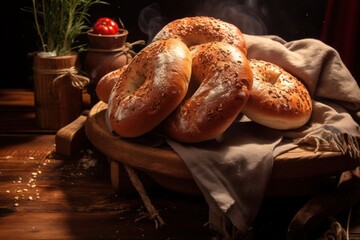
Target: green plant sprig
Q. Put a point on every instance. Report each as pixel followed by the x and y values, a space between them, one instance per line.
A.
pixel 58 23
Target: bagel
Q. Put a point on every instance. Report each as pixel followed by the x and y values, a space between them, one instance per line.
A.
pixel 106 83
pixel 151 86
pixel 278 99
pixel 201 29
pixel 220 85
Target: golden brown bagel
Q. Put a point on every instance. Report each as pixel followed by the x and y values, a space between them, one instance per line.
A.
pixel 150 88
pixel 220 86
pixel 278 99
pixel 201 29
pixel 106 83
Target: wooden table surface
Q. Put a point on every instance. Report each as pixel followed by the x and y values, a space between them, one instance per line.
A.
pixel 44 195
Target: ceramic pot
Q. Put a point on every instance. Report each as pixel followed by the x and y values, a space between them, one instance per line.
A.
pixel 57 101
pixel 106 53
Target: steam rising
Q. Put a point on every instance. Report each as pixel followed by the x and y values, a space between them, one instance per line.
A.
pixel 245 16
pixel 150 20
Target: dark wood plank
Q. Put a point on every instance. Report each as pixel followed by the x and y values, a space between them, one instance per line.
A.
pixel 15 99
pixel 17 111
pixel 71 138
pixel 43 195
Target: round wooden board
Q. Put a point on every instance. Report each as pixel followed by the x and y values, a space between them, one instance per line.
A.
pixel 296 172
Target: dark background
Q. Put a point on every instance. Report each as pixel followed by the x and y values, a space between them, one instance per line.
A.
pixel 288 19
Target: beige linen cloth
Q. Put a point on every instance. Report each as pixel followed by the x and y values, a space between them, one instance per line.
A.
pixel 233 171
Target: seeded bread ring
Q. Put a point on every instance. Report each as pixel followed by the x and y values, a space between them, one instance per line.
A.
pixel 151 87
pixel 219 88
pixel 107 82
pixel 202 29
pixel 278 99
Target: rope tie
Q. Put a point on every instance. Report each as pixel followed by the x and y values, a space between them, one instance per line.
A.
pixel 77 80
pixel 126 48
pixel 152 212
pixel 336 232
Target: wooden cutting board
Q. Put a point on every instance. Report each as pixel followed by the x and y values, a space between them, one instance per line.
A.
pixel 296 172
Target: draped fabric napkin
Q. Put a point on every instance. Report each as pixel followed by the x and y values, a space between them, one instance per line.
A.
pixel 233 171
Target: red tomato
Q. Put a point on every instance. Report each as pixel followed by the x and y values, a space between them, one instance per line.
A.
pixel 105 26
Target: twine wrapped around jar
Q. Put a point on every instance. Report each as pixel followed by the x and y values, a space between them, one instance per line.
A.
pixel 77 81
pixel 126 48
pixel 57 90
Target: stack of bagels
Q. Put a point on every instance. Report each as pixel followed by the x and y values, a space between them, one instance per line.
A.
pixel 192 82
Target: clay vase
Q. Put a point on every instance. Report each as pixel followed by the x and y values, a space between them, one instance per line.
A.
pixel 57 101
pixel 106 53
